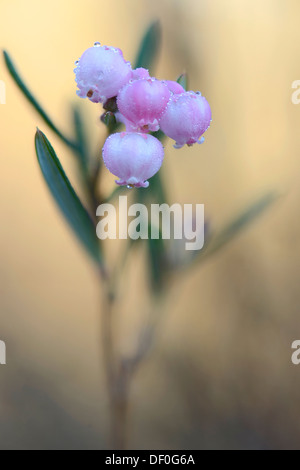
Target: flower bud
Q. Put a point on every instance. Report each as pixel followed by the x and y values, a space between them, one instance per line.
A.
pixel 133 157
pixel 142 102
pixel 101 72
pixel 186 118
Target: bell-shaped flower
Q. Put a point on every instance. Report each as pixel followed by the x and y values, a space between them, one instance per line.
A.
pixel 143 102
pixel 186 118
pixel 101 72
pixel 133 157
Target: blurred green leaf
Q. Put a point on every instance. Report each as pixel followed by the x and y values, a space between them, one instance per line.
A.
pixel 183 80
pixel 32 100
pixel 81 137
pixel 155 193
pixel 157 262
pixel 65 196
pixel 157 265
pixel 149 47
pixel 239 223
pixel 156 189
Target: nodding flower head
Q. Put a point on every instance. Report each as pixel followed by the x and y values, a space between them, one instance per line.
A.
pixel 133 157
pixel 143 102
pixel 101 72
pixel 186 118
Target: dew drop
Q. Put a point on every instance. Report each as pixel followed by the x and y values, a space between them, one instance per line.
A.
pixel 76 62
pixel 129 186
pixel 97 44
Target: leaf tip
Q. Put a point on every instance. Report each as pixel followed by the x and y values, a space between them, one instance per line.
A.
pixel 6 56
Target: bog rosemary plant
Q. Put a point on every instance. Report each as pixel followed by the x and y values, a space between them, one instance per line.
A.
pixel 151 111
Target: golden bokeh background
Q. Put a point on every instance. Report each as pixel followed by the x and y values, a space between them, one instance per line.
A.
pixel 220 375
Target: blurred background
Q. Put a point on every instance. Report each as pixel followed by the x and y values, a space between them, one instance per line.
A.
pixel 220 375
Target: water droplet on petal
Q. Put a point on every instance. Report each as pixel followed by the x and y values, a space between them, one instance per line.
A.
pixel 97 44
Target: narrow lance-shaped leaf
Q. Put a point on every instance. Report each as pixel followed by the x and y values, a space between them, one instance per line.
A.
pixel 81 137
pixel 149 47
pixel 157 262
pixel 65 196
pixel 33 101
pixel 239 223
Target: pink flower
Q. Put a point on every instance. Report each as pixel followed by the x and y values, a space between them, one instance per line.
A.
pixel 186 118
pixel 142 102
pixel 101 72
pixel 174 87
pixel 133 157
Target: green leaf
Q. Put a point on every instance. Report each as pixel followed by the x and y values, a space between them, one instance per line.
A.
pixel 157 190
pixel 65 196
pixel 239 223
pixel 157 262
pixel 183 80
pixel 82 140
pixel 32 100
pixel 149 47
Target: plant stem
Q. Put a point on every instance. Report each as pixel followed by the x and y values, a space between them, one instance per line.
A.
pixel 116 375
pixel 120 411
pixel 120 371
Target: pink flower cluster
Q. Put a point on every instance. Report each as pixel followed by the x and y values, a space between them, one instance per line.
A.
pixel 144 104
